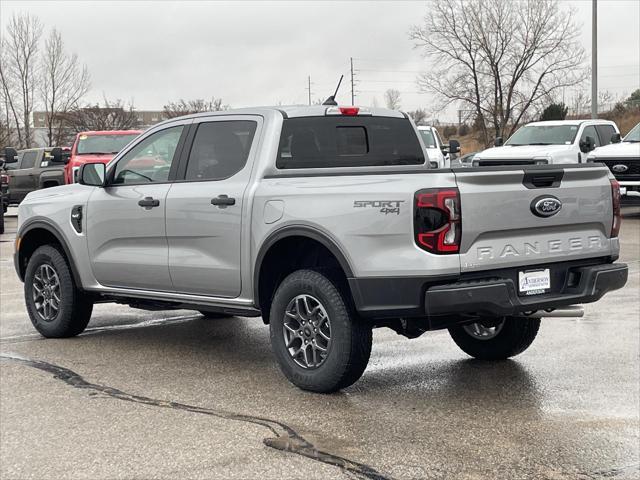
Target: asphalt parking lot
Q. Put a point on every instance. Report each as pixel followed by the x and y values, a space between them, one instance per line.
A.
pixel 174 395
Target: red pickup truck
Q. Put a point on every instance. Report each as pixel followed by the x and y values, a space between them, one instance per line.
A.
pixel 100 146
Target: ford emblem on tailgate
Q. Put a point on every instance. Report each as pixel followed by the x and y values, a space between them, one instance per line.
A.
pixel 545 206
pixel 619 168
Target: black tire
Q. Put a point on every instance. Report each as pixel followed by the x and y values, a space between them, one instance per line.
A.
pixel 514 337
pixel 347 354
pixel 74 307
pixel 214 316
pixel 1 219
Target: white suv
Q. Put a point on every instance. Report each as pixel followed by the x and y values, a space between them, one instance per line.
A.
pixel 550 142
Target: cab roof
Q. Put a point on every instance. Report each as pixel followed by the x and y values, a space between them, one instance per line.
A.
pixel 292 111
pixel 552 123
pixel 110 132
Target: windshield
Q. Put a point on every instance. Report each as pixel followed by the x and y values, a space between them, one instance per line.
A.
pixel 427 138
pixel 103 143
pixel 633 135
pixel 544 135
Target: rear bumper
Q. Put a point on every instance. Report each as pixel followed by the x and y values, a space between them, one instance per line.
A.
pixel 489 293
pixel 499 297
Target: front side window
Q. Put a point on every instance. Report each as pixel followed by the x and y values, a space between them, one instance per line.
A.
pixel 220 149
pixel 428 139
pixel 544 135
pixel 590 131
pixel 28 159
pixel 150 160
pixel 342 141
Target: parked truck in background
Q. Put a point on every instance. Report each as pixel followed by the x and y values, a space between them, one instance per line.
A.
pixel 32 169
pixel 326 222
pixel 96 146
pixel 438 153
pixel 549 143
pixel 623 159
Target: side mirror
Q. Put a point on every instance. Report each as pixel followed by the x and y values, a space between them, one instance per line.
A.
pixel 10 155
pixel 92 174
pixel 616 138
pixel 56 155
pixel 498 142
pixel 454 146
pixel 587 144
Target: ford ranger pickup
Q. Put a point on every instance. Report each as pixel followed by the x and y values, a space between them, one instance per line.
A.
pixel 326 222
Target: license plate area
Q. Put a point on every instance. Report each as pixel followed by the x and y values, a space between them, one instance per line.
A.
pixel 534 282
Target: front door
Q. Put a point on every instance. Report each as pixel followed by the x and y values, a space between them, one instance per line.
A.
pixel 205 208
pixel 126 220
pixel 24 178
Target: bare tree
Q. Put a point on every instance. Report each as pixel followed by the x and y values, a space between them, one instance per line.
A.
pixel 18 71
pixel 392 99
pixel 64 83
pixel 113 115
pixel 419 116
pixel 186 107
pixel 503 59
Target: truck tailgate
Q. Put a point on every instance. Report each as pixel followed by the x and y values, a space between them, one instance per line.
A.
pixel 502 228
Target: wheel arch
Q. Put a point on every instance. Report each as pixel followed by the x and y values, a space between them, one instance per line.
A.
pixel 300 236
pixel 36 234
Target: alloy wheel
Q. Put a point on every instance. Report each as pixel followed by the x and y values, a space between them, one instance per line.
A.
pixel 46 292
pixel 307 331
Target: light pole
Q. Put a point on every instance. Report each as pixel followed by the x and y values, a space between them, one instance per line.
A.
pixel 594 58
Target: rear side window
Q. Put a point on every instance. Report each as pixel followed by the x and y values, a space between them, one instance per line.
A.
pixel 28 159
pixel 220 149
pixel 329 142
pixel 605 132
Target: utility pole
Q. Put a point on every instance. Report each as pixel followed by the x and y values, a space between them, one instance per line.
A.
pixel 353 93
pixel 459 118
pixel 594 58
pixel 309 88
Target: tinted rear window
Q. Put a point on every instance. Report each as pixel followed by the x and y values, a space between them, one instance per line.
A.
pixel 326 142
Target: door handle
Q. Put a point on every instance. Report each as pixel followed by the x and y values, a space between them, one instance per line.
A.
pixel 222 201
pixel 149 202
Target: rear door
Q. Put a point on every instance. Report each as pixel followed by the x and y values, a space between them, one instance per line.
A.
pixel 500 226
pixel 126 220
pixel 205 208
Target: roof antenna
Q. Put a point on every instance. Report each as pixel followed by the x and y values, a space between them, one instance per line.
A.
pixel 332 99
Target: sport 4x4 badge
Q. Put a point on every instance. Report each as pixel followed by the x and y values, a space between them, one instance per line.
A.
pixel 385 206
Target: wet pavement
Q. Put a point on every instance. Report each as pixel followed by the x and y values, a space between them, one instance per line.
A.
pixel 174 395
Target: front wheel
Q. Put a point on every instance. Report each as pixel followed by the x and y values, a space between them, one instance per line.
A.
pixel 496 339
pixel 56 307
pixel 319 342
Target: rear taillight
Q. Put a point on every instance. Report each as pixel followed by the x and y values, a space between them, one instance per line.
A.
pixel 4 179
pixel 437 220
pixel 617 215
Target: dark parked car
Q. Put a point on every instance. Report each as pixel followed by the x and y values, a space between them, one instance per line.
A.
pixel 33 169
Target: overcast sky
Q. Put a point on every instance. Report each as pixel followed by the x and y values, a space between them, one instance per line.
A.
pixel 261 53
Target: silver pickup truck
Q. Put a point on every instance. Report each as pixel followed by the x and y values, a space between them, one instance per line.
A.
pixel 326 222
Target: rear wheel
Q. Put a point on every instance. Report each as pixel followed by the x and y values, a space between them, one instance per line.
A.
pixel 1 219
pixel 56 307
pixel 319 342
pixel 496 339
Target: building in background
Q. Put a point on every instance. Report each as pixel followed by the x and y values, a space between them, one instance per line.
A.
pixel 145 119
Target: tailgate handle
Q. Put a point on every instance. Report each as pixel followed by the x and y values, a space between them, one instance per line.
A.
pixel 542 179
